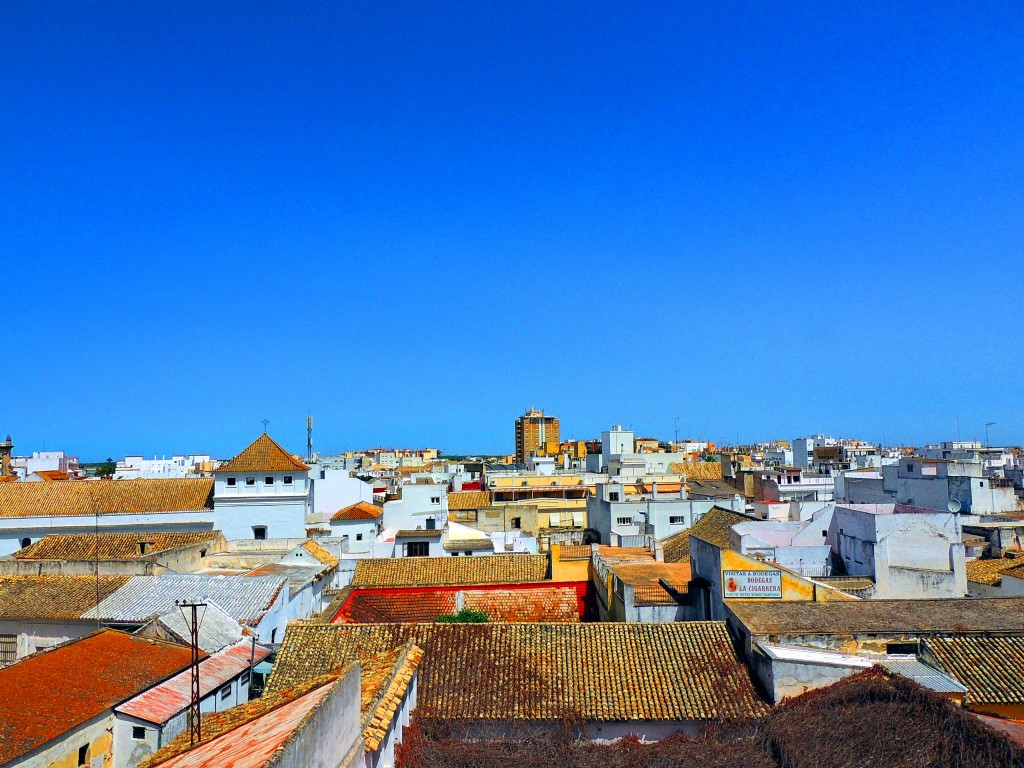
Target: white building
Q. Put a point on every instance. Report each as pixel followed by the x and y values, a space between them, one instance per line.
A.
pixel 134 467
pixel 263 493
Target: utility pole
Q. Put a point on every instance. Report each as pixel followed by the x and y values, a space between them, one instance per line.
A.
pixel 987 425
pixel 193 605
pixel 309 436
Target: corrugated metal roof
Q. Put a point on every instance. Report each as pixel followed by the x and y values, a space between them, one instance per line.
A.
pixel 162 702
pixel 298 576
pixel 245 599
pixel 913 668
pixel 217 629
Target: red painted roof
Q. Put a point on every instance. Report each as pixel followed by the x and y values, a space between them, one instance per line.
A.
pixel 49 693
pixel 162 702
pixel 252 744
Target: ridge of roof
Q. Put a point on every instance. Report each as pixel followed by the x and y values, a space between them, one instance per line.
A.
pixel 264 454
pixel 383 684
pixel 361 510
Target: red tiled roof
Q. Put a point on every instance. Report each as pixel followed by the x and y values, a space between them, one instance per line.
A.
pixel 547 603
pixel 52 474
pixel 361 510
pixel 263 455
pixel 49 693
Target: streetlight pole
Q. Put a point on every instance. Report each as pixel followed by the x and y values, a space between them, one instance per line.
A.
pixel 987 425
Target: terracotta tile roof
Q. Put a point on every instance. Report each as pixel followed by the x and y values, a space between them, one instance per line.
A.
pixel 575 552
pixel 61 498
pixel 933 616
pixel 247 736
pixel 549 604
pixel 110 546
pixel 320 553
pixel 419 533
pixel 602 671
pixel 361 510
pixel 384 683
pixel 992 668
pixel 468 545
pixel 990 571
pixel 263 455
pixel 52 474
pixel 468 500
pixel 54 597
pixel 713 527
pixel 47 694
pixel 426 571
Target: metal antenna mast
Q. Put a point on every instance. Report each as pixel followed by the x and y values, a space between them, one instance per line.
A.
pixel 194 719
pixel 309 436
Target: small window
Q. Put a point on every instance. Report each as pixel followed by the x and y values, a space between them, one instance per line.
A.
pixel 824 534
pixel 202 553
pixel 138 733
pixel 613 496
pixel 287 480
pixel 232 481
pixel 259 532
pixel 517 522
pixel 26 542
pixel 273 635
pixel 417 549
pixel 359 537
pixel 244 679
pixel 624 521
pixel 435 499
pixel 901 648
pixel 83 755
pixel 981 484
pixel 250 481
pixel 323 474
pixel 467 554
pixel 677 520
pixel 225 693
pixel 910 467
pixel 268 480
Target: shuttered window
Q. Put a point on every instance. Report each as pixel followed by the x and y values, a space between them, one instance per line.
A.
pixel 8 649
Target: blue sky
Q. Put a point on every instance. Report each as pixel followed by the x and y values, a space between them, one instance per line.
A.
pixel 416 221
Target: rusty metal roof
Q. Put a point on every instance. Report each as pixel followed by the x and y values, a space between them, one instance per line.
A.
pixel 162 702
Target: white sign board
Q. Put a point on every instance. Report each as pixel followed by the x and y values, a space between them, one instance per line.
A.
pixel 752 584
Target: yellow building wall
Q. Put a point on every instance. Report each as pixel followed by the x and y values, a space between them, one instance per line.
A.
pixel 568 570
pixel 794 588
pixel 98 746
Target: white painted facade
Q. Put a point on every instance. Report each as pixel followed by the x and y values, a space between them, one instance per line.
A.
pixel 334 489
pixel 255 505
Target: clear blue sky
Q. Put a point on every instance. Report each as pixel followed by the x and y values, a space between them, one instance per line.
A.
pixel 415 221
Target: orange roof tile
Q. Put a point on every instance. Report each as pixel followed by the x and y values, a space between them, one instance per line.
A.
pixel 110 546
pixel 425 571
pixel 463 500
pixel 52 474
pixel 92 674
pixel 263 455
pixel 361 510
pixel 54 597
pixel 603 671
pixel 551 604
pixel 62 498
pixel 320 553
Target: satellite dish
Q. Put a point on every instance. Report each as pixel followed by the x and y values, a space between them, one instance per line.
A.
pixel 953 506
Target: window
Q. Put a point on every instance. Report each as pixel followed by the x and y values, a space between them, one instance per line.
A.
pixel 677 520
pixel 467 554
pixel 202 553
pixel 624 521
pixel 910 467
pixel 613 496
pixel 517 522
pixel 143 547
pixel 287 480
pixel 231 482
pixel 417 549
pixel 824 534
pixel 8 649
pixel 138 733
pixel 25 542
pixel 250 481
pixel 435 499
pixel 268 480
pixel 273 635
pixel 981 484
pixel 244 679
pixel 323 474
pixel 259 532
pixel 83 755
pixel 225 693
pixel 359 537
pixel 901 648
